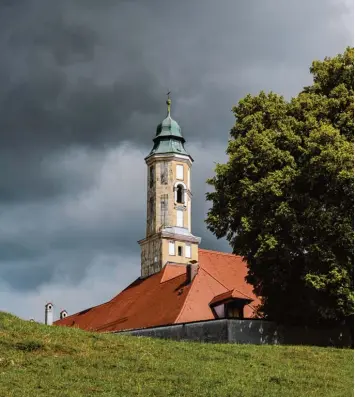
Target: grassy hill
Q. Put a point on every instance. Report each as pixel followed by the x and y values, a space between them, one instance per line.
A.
pixel 38 360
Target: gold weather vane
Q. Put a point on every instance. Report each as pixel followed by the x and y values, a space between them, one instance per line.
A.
pixel 168 102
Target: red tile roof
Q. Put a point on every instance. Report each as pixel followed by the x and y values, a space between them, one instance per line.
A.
pixel 171 271
pixel 165 298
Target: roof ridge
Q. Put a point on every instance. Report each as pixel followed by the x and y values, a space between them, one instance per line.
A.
pixel 235 289
pixel 82 312
pixel 214 278
pixel 224 285
pixel 220 252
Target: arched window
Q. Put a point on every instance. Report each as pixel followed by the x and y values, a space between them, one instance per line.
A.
pixel 180 194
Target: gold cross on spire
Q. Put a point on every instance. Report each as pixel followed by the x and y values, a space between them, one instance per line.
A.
pixel 168 102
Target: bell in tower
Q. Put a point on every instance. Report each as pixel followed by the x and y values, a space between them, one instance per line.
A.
pixel 168 230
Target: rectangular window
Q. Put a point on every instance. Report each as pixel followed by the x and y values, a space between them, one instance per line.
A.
pixel 164 209
pixel 234 312
pixel 180 218
pixel 180 172
pixel 151 175
pixel 188 250
pixel 164 173
pixel 220 311
pixel 171 248
pixel 179 250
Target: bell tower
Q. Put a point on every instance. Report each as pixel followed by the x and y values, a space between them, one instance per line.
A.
pixel 168 230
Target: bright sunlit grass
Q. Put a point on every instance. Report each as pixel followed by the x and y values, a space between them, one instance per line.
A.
pixel 38 360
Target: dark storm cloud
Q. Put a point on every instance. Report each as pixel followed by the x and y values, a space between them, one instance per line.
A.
pixel 57 88
pixel 46 101
pixel 45 113
pixel 80 78
pixel 64 235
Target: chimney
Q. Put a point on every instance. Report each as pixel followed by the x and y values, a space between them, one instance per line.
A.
pixel 63 314
pixel 48 314
pixel 191 271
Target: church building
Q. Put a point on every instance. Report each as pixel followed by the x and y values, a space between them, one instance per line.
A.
pixel 179 282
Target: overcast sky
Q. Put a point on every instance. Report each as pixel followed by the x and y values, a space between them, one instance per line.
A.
pixel 82 88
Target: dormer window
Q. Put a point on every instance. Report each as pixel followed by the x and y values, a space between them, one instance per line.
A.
pixel 234 309
pixel 229 304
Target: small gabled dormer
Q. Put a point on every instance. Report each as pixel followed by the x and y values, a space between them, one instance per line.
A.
pixel 229 304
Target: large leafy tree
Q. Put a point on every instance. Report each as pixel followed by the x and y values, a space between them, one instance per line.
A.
pixel 284 199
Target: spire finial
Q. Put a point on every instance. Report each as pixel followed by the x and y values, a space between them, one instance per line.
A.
pixel 168 102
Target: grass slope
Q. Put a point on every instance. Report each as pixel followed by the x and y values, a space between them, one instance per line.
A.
pixel 37 360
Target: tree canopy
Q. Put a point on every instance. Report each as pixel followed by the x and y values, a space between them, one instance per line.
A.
pixel 284 198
